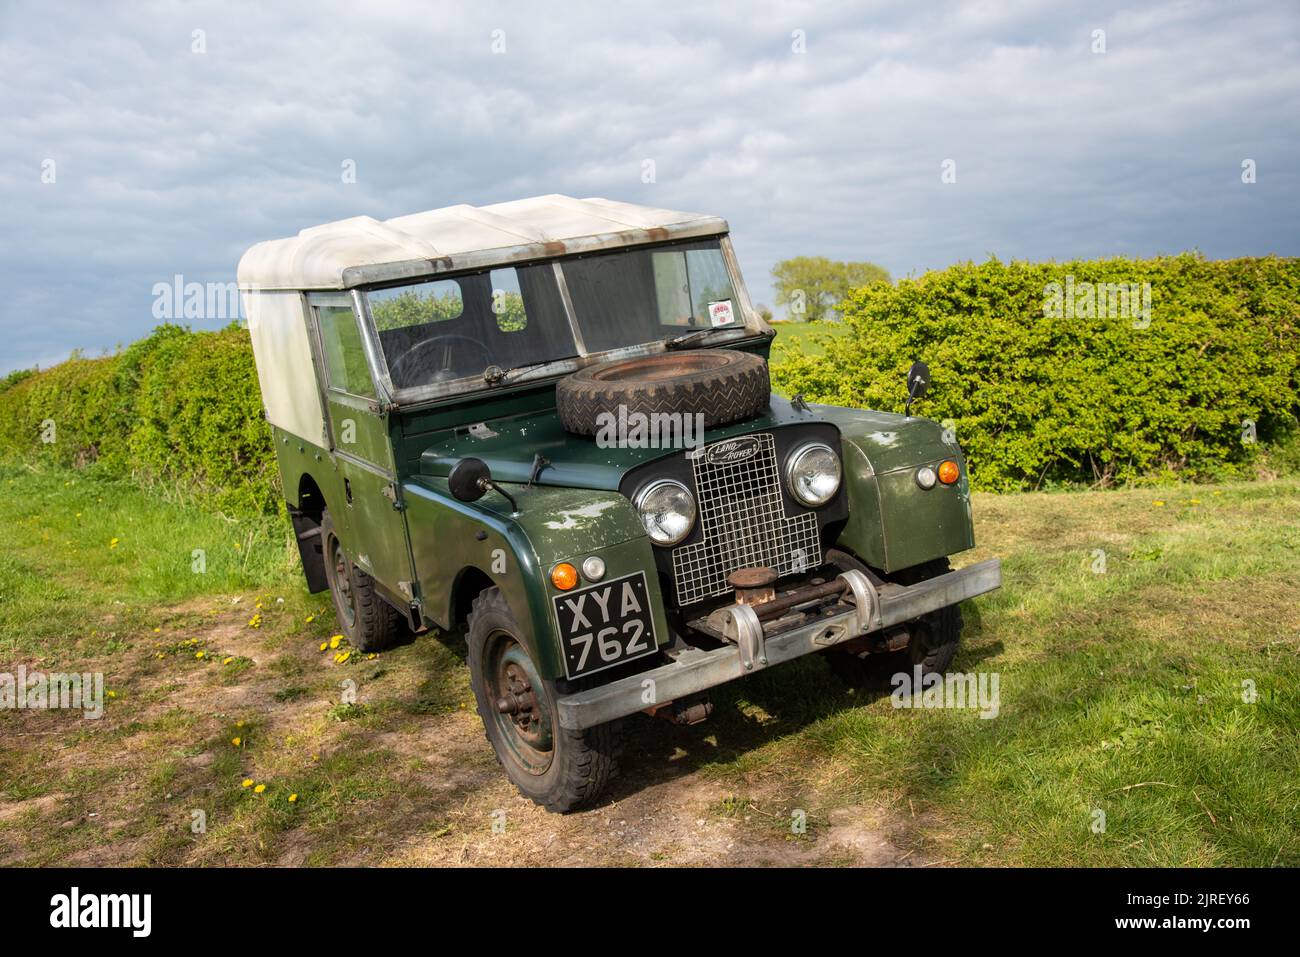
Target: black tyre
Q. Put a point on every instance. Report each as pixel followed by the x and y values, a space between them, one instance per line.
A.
pixel 934 640
pixel 366 620
pixel 559 769
pixel 721 384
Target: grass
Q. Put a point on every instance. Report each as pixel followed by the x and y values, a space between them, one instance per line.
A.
pixel 1145 641
pixel 805 337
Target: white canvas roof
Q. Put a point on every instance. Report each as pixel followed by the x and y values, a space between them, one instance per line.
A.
pixel 362 250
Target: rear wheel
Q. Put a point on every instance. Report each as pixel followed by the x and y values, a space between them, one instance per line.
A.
pixel 557 768
pixel 366 620
pixel 932 644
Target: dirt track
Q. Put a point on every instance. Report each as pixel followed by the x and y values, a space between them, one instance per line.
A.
pixel 430 794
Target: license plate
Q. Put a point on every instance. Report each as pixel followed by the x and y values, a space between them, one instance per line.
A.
pixel 605 625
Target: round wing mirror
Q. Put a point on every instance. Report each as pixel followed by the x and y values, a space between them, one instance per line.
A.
pixel 918 379
pixel 469 479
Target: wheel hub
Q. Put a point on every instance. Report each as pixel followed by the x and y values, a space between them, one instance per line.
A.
pixel 521 712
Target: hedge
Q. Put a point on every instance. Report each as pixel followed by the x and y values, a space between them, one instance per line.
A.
pixel 1036 394
pixel 179 409
pixel 1040 393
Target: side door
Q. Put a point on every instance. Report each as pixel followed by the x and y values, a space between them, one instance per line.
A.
pixel 372 526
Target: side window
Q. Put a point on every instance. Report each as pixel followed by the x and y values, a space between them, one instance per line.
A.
pixel 345 359
pixel 415 305
pixel 507 301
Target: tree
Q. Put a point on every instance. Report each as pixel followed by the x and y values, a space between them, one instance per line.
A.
pixel 811 287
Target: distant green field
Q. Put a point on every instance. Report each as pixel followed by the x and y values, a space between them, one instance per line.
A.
pixel 805 337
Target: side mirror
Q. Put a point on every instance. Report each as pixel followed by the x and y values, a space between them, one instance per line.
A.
pixel 918 383
pixel 469 480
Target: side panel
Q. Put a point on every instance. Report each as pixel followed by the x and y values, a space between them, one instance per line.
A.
pixel 894 523
pixel 517 552
pixel 285 371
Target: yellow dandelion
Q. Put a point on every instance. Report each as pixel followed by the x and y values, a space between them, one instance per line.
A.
pixel 113 543
pixel 246 783
pixel 227 660
pixel 112 694
pixel 239 724
pixel 371 657
pixel 342 657
pixel 1196 501
pixel 1158 504
pixel 334 642
pixel 310 619
pixel 200 654
pixel 324 645
pixel 157 631
pixel 237 742
pixel 259 789
pixel 161 655
pixel 293 799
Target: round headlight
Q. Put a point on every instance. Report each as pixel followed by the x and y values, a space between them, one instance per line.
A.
pixel 813 474
pixel 667 511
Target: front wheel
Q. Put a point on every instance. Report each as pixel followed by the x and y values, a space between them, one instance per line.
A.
pixel 552 766
pixel 932 644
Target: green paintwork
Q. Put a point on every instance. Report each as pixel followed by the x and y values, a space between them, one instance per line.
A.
pixel 518 552
pixel 403 525
pixel 575 462
pixel 893 522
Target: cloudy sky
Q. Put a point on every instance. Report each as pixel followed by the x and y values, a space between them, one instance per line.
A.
pixel 815 129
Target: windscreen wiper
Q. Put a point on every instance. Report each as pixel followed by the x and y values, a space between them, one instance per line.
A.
pixel 495 375
pixel 692 338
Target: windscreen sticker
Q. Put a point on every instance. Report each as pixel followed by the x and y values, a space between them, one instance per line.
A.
pixel 720 313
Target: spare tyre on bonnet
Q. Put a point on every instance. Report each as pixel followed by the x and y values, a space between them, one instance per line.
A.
pixel 723 385
pixel 435 386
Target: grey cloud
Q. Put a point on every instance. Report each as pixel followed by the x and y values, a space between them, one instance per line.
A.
pixel 171 162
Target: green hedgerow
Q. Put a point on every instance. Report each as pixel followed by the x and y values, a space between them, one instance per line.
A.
pixel 1039 394
pixel 178 408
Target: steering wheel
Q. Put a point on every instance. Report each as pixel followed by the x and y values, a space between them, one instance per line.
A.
pixel 397 369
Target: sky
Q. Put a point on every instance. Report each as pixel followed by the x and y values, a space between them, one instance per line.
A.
pixel 145 141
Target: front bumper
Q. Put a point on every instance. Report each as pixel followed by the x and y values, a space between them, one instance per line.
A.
pixel 872 608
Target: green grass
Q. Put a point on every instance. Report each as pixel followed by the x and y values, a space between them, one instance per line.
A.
pixel 75 541
pixel 1120 692
pixel 805 337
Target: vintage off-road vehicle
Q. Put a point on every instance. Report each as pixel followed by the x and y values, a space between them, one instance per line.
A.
pixel 548 424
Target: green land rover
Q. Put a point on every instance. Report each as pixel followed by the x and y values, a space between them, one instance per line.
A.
pixel 548 425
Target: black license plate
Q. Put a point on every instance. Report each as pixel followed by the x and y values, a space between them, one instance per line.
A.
pixel 605 625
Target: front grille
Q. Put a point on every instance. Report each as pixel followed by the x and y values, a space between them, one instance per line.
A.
pixel 743 521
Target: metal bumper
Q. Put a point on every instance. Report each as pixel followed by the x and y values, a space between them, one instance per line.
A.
pixel 750 648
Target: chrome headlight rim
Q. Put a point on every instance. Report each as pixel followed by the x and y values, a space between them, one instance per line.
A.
pixel 792 464
pixel 642 494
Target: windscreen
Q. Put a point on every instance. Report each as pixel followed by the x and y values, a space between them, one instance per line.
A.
pixel 639 295
pixel 456 327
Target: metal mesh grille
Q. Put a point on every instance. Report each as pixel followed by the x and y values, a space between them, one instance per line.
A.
pixel 742 517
